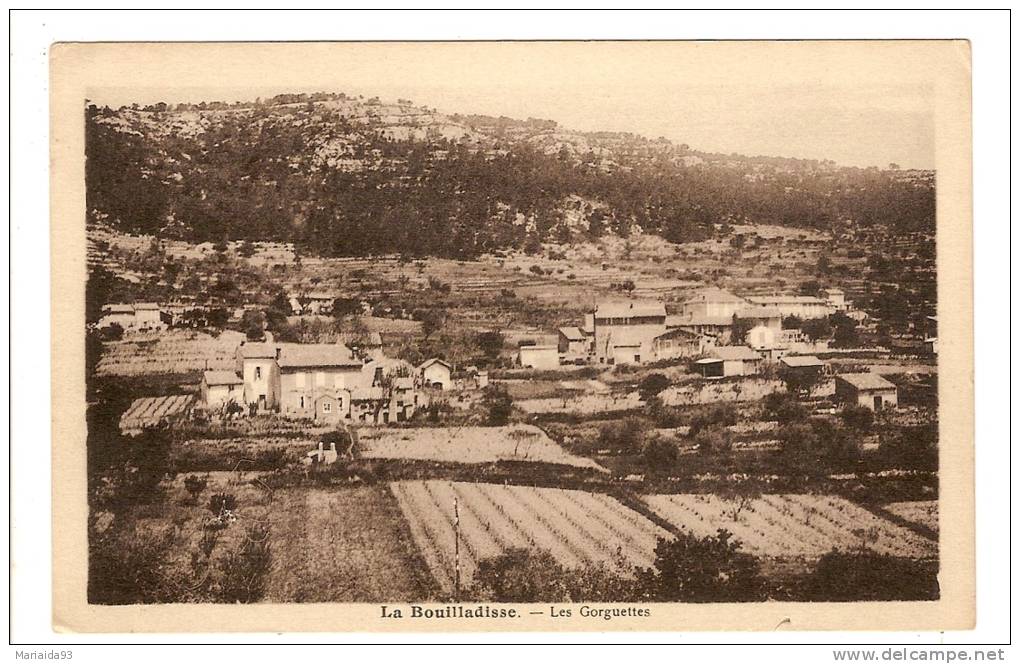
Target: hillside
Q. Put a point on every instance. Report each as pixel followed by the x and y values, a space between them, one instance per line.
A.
pixel 341 176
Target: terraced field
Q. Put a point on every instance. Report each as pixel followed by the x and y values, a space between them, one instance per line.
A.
pixel 791 525
pixel 922 512
pixel 520 442
pixel 170 352
pixel 575 526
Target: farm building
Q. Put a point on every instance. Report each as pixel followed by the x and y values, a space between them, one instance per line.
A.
pixel 152 412
pixel 318 302
pixel 572 342
pixel 866 389
pixel 836 298
pixel 723 361
pixel 436 373
pixel 712 303
pixel 140 316
pixel 801 306
pixel 219 388
pixel 306 370
pixel 544 356
pixel 624 331
pixel 803 365
pixel 679 343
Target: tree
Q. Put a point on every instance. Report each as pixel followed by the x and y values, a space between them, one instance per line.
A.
pixel 858 418
pixel 659 453
pixel 715 440
pixel 623 436
pixel 816 328
pixel 345 306
pixel 277 312
pixel 792 322
pixel 499 404
pixel 810 287
pixel 195 485
pixel 253 322
pixel 709 569
pixel 490 343
pixel 431 320
pixel 783 408
pixel 740 328
pixel 845 334
pixel 800 382
pixel 651 385
pixel 112 332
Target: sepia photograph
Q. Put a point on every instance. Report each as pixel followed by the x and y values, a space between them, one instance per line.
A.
pixel 447 329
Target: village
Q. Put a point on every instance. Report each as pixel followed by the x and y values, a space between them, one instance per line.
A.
pixel 662 409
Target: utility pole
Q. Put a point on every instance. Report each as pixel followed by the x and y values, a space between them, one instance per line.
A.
pixel 456 550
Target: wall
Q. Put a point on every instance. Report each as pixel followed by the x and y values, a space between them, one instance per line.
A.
pixel 539 357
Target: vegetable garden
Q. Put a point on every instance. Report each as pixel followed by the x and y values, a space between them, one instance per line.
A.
pixel 575 526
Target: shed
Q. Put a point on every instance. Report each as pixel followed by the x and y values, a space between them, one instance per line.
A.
pixel 151 412
pixel 866 389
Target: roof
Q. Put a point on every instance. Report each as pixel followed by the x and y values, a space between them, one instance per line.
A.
pixel 150 411
pixel 256 350
pixel 629 309
pixel 734 353
pixel 367 394
pixel 787 299
pixel 540 347
pixel 760 312
pixel 221 378
pixel 320 295
pixel 146 306
pixel 689 321
pixel 833 290
pixel 572 333
pixel 118 309
pixel 403 383
pixel 867 381
pixel 678 332
pixel 435 360
pixel 802 361
pixel 713 295
pixel 316 355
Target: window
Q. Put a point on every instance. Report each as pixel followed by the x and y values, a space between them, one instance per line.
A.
pixel 327 407
pixel 302 402
pixel 258 373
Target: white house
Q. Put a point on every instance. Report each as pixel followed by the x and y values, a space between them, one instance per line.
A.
pixel 436 373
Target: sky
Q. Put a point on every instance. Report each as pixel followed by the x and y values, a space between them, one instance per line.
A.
pixel 856 103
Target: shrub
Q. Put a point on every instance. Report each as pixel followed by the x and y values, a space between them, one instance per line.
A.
pixel 525 575
pixel 660 452
pixel 716 440
pixel 220 503
pixel 112 332
pixel 499 404
pixel 709 569
pixel 864 575
pixel 652 384
pixel 623 436
pixel 857 417
pixel 245 571
pixel 195 486
pixel 784 408
pixel 716 415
